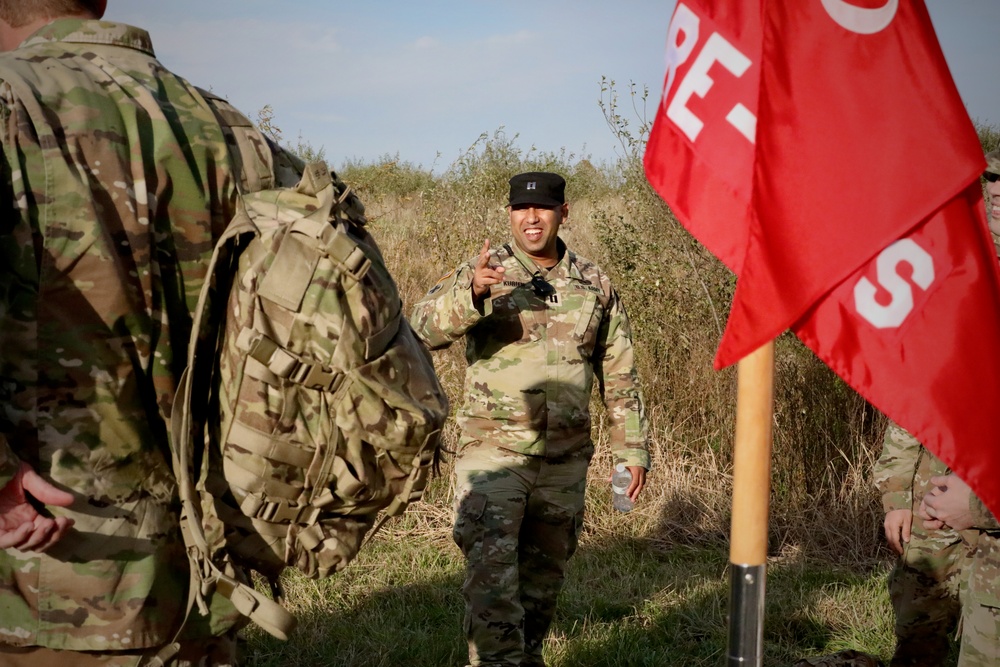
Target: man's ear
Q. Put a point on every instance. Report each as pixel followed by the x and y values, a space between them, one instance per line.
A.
pixel 100 6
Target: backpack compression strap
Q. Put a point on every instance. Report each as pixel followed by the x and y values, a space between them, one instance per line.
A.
pixel 205 574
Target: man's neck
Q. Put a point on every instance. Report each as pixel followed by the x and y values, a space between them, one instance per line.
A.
pixel 11 37
pixel 547 261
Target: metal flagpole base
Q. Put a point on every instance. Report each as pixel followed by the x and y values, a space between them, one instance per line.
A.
pixel 746 615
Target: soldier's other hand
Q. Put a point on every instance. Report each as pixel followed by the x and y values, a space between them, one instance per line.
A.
pixel 948 503
pixel 897 526
pixel 485 275
pixel 22 527
pixel 638 482
pixel 928 523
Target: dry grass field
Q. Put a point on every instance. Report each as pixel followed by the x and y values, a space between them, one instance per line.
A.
pixel 649 587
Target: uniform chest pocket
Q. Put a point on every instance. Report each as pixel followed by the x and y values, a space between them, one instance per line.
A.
pixel 591 313
pixel 532 311
pixel 510 321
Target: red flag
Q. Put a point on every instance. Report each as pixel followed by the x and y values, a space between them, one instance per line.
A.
pixel 860 223
pixel 684 155
pixel 935 372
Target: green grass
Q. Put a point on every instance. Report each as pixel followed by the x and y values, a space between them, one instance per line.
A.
pixel 632 597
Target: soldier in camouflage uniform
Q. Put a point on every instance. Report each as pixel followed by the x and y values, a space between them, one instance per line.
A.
pixel 540 322
pixel 116 182
pixel 924 584
pixel 950 504
pixel 948 575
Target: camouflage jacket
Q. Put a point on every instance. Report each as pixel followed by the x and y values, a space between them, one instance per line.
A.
pixel 904 469
pixel 117 182
pixel 532 359
pixel 903 473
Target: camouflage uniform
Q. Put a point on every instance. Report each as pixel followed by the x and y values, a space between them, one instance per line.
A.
pixel 525 424
pixel 945 579
pixel 116 182
pixel 924 584
pixel 980 626
pixel 980 634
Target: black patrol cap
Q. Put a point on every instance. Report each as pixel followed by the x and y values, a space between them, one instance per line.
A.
pixel 537 187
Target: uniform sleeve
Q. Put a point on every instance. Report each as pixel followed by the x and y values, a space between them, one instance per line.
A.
pixel 895 468
pixel 618 382
pixel 447 312
pixel 15 251
pixel 9 462
pixel 983 519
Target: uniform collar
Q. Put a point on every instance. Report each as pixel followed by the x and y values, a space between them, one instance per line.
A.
pixel 82 31
pixel 565 267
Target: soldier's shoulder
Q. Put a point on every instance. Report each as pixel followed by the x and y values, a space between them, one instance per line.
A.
pixel 447 280
pixel 14 65
pixel 584 265
pixel 897 436
pixel 503 254
pixel 591 272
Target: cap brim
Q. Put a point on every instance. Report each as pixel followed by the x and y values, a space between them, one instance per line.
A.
pixel 539 201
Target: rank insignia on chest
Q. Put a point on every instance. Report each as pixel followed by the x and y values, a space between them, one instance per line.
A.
pixel 543 288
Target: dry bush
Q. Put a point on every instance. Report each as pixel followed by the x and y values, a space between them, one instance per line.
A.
pixel 989 136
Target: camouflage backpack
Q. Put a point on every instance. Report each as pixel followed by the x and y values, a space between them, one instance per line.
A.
pixel 308 405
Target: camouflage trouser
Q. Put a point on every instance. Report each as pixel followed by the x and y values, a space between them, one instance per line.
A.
pixel 980 635
pixel 517 520
pixel 214 652
pixel 924 588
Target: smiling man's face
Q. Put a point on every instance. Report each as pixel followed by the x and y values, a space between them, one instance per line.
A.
pixel 536 228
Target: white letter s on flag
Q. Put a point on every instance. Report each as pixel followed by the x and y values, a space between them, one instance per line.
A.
pixel 896 312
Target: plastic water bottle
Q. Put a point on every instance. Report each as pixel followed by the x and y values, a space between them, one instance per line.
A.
pixel 621 478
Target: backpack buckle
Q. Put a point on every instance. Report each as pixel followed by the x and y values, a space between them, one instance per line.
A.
pixel 315 376
pixel 282 512
pixel 345 250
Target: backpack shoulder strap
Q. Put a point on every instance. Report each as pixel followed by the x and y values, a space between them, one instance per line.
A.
pixel 249 152
pixel 267 613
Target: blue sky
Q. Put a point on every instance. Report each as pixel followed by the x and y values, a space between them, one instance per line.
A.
pixel 424 79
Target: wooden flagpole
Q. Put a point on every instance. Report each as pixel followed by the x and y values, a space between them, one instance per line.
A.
pixel 751 496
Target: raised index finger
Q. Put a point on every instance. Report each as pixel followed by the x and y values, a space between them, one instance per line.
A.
pixel 484 255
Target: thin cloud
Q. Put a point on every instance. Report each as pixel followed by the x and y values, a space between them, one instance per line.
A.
pixel 426 43
pixel 519 38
